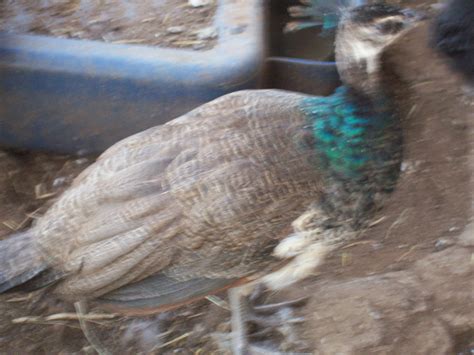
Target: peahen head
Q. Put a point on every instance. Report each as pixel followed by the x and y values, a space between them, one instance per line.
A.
pixel 364 32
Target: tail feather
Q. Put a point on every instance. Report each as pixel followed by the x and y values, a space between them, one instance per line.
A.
pixel 20 261
pixel 319 13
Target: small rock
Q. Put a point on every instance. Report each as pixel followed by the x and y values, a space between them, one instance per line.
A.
pixel 81 161
pixel 59 181
pixel 175 29
pixel 199 3
pixel 454 229
pixel 207 33
pixel 410 166
pixel 442 244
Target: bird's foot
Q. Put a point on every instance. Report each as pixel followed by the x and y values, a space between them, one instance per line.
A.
pixel 253 327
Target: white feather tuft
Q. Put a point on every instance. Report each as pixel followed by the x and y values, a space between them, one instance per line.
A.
pixel 293 245
pixel 299 268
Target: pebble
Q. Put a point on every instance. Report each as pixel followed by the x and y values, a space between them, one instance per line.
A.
pixel 175 29
pixel 59 181
pixel 199 3
pixel 442 244
pixel 207 33
pixel 410 166
pixel 81 161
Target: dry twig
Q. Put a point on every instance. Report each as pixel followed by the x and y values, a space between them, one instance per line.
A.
pixel 175 340
pixel 63 316
pixel 407 253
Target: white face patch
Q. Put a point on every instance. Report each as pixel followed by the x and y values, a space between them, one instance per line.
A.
pixel 365 52
pixel 364 45
pixel 390 18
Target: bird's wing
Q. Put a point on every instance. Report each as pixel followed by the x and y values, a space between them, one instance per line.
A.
pixel 157 292
pixel 166 199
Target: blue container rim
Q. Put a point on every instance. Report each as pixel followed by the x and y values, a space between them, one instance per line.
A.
pixel 240 46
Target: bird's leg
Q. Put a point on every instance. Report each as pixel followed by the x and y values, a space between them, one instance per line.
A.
pixel 81 310
pixel 269 317
pixel 305 250
pixel 238 302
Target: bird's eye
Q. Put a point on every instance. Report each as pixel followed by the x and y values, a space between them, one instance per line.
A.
pixel 389 27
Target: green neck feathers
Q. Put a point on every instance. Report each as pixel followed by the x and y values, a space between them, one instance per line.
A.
pixel 357 139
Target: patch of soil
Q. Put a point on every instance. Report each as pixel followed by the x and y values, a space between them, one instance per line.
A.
pixel 166 23
pixel 404 287
pixel 29 183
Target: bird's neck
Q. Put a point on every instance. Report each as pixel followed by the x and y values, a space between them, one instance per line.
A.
pixel 351 130
pixel 359 64
pixel 357 140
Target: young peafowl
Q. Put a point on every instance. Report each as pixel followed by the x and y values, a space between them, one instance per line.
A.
pixel 206 201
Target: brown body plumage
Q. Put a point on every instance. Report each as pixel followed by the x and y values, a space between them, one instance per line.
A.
pixel 208 195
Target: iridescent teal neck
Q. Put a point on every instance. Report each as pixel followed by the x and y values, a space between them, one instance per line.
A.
pixel 354 136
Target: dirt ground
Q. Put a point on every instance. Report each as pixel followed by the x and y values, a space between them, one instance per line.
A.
pixel 166 23
pixel 406 287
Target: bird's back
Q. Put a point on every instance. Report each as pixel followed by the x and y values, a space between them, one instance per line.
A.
pixel 206 195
